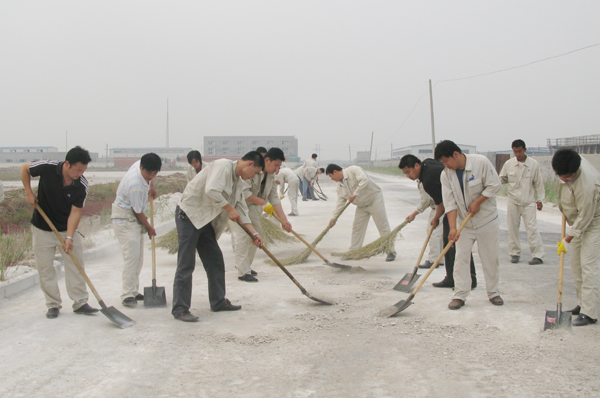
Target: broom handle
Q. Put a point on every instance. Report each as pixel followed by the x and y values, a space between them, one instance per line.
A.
pixel 303 290
pixel 302 240
pixel 62 242
pixel 561 267
pixel 448 246
pixel 424 247
pixel 152 240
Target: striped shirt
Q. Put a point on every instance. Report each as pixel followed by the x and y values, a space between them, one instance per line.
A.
pixel 132 192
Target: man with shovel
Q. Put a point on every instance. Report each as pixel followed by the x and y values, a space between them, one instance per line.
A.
pixel 62 190
pixel 469 185
pixel 579 201
pixel 130 223
pixel 428 173
pixel 357 188
pixel 208 201
pixel 258 191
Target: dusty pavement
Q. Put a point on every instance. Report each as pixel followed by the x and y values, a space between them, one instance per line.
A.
pixel 281 344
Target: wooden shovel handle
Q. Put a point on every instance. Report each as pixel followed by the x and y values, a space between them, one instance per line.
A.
pixel 302 240
pixel 152 240
pixel 424 247
pixel 62 242
pixel 561 267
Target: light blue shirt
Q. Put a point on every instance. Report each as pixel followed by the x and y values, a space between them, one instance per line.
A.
pixel 132 192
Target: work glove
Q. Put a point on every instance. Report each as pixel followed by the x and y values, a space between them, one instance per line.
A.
pixel 281 197
pixel 562 247
pixel 269 210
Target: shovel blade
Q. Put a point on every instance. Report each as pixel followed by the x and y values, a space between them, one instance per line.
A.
pixel 557 319
pixel 307 294
pixel 117 317
pixel 401 306
pixel 155 296
pixel 406 283
pixel 339 266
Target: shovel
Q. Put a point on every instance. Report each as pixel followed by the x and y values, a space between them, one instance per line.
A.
pixel 558 318
pixel 154 296
pixel 404 304
pixel 327 262
pixel 303 290
pixel 406 283
pixel 111 313
pixel 321 194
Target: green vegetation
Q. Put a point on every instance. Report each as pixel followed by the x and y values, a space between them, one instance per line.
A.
pixel 14 248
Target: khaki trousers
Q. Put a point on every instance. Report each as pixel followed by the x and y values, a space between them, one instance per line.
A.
pixel 585 255
pixel 131 238
pixel 515 213
pixel 44 249
pixel 436 243
pixel 293 187
pixel 243 249
pixel 361 221
pixel 487 244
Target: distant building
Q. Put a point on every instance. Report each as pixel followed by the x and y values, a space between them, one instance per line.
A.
pixel 24 154
pixel 362 156
pixel 583 144
pixel 425 151
pixel 234 147
pixel 125 157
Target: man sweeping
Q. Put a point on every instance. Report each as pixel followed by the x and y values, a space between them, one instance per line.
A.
pixel 62 190
pixel 258 191
pixel 469 185
pixel 428 173
pixel 308 176
pixel 579 201
pixel 357 188
pixel 208 201
pixel 288 177
pixel 526 192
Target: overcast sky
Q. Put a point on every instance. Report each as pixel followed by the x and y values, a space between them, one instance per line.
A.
pixel 327 72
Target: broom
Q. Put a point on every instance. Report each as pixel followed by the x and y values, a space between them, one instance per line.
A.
pixel 273 234
pixel 383 245
pixel 301 258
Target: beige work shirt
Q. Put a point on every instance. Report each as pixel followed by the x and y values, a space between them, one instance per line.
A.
pixel 310 173
pixel 479 178
pixel 191 173
pixel 426 200
pixel 266 191
pixel 213 188
pixel 355 182
pixel 579 199
pixel 311 163
pixel 525 182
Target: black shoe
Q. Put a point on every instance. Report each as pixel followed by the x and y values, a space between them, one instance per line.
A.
pixel 52 313
pixel 130 302
pixel 86 309
pixel 456 304
pixel 187 317
pixel 514 259
pixel 445 283
pixel 139 297
pixel 427 264
pixel 227 306
pixel 253 273
pixel 583 320
pixel 247 278
pixel 315 198
pixel 575 311
pixel 536 261
pixel 473 283
pixel 390 257
pixel 497 300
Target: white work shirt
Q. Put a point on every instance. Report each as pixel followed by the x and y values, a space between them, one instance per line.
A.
pixel 355 182
pixel 132 192
pixel 191 173
pixel 426 200
pixel 311 163
pixel 310 173
pixel 213 188
pixel 479 178
pixel 286 175
pixel 268 192
pixel 525 181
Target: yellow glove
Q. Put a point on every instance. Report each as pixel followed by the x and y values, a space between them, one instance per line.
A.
pixel 269 210
pixel 561 248
pixel 281 197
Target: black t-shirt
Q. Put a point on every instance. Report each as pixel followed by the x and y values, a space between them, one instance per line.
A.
pixel 53 197
pixel 431 171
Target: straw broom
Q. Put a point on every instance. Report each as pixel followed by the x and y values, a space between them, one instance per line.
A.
pixel 382 245
pixel 301 258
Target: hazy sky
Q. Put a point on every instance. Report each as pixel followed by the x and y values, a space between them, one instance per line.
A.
pixel 327 72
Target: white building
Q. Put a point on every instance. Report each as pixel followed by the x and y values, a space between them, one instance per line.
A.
pixel 163 152
pixel 235 146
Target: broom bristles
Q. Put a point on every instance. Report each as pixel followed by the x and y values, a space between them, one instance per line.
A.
pixel 383 245
pixel 273 234
pixel 169 241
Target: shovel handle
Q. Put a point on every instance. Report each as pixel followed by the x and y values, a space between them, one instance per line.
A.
pixel 561 267
pixel 448 246
pixel 303 290
pixel 152 240
pixel 62 242
pixel 424 248
pixel 302 240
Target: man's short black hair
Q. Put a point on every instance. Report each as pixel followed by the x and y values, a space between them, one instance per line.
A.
pixel 566 162
pixel 446 148
pixel 331 167
pixel 261 149
pixel 322 169
pixel 518 144
pixel 151 162
pixel 194 155
pixel 314 155
pixel 256 157
pixel 275 154
pixel 78 155
pixel 409 161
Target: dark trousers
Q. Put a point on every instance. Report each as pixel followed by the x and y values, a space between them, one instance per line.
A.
pixel 204 241
pixel 450 254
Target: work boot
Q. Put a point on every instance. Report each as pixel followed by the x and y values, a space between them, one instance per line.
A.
pixel 427 264
pixel 536 261
pixel 390 257
pixel 575 311
pixel 456 304
pixel 86 309
pixel 253 273
pixel 444 283
pixel 583 320
pixel 139 297
pixel 227 306
pixel 304 200
pixel 497 300
pixel 52 313
pixel 187 316
pixel 514 259
pixel 130 302
pixel 247 278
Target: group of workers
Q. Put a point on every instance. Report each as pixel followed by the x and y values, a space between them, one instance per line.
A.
pixel 459 188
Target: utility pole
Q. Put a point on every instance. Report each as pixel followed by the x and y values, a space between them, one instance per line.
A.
pixel 107 156
pixel 167 122
pixel 350 153
pixel 371 149
pixel 391 151
pixel 432 124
